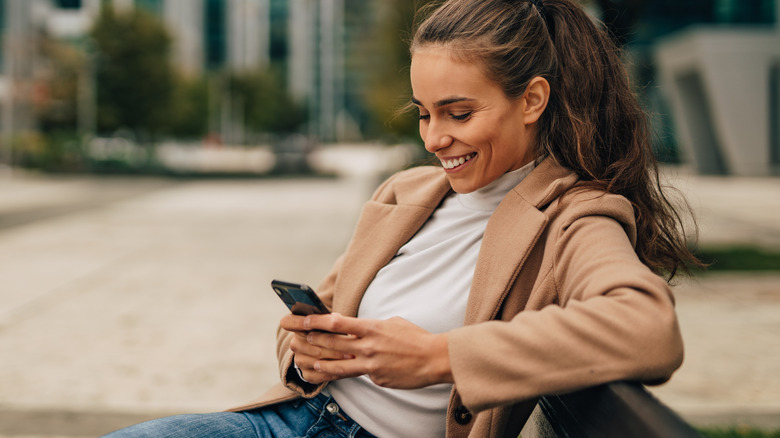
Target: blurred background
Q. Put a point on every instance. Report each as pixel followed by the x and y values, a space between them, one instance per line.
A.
pixel 153 86
pixel 162 160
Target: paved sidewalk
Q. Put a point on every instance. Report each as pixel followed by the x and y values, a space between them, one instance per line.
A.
pixel 153 297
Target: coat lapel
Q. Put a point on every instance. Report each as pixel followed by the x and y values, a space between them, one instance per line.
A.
pixel 382 229
pixel 513 230
pixel 502 255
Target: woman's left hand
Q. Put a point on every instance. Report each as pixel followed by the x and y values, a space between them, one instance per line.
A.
pixel 394 353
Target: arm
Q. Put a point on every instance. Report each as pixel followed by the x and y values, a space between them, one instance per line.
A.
pixel 614 320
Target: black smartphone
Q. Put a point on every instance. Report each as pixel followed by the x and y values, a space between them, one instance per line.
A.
pixel 299 298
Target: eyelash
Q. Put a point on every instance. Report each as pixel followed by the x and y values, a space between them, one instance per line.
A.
pixel 457 117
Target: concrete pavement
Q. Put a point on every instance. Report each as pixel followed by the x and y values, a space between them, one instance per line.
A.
pixel 124 299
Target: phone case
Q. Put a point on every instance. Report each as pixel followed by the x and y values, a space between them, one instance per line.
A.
pixel 299 298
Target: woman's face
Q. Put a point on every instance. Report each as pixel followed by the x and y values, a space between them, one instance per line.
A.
pixel 467 121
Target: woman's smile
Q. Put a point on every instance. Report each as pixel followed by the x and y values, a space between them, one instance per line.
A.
pixel 454 164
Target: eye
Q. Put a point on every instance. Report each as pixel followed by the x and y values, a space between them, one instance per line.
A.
pixel 425 116
pixel 461 117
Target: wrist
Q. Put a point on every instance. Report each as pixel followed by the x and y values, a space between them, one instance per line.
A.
pixel 442 371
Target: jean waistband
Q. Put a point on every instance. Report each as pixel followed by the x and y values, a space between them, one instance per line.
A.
pixel 330 409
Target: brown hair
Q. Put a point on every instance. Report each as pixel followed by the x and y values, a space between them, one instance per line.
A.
pixel 593 123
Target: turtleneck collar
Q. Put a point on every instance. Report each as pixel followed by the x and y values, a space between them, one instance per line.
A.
pixel 487 198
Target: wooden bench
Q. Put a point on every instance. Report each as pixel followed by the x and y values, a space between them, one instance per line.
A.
pixel 619 410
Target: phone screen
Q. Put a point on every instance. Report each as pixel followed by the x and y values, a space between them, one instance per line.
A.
pixel 299 298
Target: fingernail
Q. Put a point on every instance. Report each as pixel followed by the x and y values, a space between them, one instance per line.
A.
pixel 307 323
pixel 317 366
pixel 310 337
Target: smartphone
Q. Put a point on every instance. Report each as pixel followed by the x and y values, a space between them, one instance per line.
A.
pixel 299 298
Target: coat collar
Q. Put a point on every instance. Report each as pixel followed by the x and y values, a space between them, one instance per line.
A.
pixel 385 225
pixel 388 223
pixel 511 233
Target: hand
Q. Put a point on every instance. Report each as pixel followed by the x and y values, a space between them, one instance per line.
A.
pixel 306 354
pixel 394 353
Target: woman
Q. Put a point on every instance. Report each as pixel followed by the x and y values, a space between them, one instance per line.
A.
pixel 527 264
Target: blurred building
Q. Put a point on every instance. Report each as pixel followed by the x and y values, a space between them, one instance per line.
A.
pixel 707 72
pixel 207 34
pixel 306 38
pixel 320 34
pixel 17 23
pixel 721 80
pixel 326 48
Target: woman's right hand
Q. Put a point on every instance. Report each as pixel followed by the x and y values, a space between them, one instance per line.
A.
pixel 307 354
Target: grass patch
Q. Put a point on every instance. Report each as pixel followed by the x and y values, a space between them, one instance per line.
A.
pixel 738 432
pixel 739 258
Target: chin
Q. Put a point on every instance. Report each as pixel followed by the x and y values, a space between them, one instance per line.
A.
pixel 462 187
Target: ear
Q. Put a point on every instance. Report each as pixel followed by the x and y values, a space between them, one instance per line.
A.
pixel 536 96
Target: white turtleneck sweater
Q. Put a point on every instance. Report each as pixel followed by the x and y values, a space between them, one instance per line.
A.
pixel 426 283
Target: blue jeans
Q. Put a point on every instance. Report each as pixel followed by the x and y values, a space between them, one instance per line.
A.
pixel 319 417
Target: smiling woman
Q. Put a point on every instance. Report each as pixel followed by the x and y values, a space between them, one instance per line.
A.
pixel 467 121
pixel 528 264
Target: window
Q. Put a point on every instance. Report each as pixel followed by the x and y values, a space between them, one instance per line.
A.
pixel 68 4
pixel 215 33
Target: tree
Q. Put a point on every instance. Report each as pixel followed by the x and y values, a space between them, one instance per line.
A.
pixel 189 108
pixel 265 102
pixel 57 90
pixel 135 79
pixel 390 89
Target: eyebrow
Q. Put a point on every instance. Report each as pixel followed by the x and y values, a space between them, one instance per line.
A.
pixel 444 102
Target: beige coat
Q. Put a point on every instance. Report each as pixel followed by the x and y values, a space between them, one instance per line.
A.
pixel 559 299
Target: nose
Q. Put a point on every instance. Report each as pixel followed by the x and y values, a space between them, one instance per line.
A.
pixel 434 137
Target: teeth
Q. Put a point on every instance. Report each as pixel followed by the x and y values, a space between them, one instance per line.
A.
pixel 450 164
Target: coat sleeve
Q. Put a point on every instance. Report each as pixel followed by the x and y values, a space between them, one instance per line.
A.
pixel 614 320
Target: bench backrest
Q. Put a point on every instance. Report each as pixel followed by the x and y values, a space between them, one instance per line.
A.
pixel 613 410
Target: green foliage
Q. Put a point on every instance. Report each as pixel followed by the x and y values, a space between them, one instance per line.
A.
pixel 738 432
pixel 56 105
pixel 58 150
pixel 134 75
pixel 389 88
pixel 739 258
pixel 266 104
pixel 189 108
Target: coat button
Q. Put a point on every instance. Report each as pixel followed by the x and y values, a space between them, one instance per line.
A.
pixel 462 415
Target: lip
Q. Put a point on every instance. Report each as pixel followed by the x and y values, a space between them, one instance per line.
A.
pixel 458 157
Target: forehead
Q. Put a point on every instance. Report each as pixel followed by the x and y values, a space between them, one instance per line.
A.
pixel 436 73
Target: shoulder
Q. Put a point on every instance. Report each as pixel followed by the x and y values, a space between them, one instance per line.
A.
pixel 582 202
pixel 413 185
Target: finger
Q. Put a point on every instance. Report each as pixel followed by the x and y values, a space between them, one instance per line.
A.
pixel 317 378
pixel 337 323
pixel 339 368
pixel 300 346
pixel 293 323
pixel 346 345
pixel 306 366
